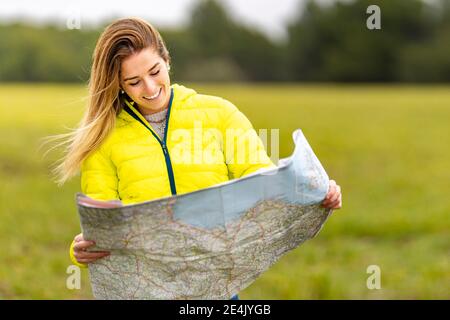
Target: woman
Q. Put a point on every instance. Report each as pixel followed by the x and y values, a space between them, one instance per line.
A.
pixel 142 138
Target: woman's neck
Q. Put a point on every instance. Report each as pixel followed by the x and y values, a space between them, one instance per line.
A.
pixel 146 112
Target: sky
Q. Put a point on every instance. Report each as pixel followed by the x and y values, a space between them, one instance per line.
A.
pixel 269 16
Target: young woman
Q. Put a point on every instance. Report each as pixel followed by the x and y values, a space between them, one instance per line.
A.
pixel 142 138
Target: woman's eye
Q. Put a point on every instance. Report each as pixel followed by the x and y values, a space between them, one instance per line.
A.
pixel 137 82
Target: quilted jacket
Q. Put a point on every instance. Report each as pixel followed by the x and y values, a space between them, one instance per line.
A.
pixel 207 141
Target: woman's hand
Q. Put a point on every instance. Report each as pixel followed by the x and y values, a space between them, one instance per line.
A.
pixel 333 199
pixel 83 256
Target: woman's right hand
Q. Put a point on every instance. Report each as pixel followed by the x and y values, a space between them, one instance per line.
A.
pixel 83 256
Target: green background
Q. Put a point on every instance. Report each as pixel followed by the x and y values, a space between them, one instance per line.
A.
pixel 386 145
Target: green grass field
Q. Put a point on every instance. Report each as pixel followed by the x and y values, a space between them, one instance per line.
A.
pixel 387 146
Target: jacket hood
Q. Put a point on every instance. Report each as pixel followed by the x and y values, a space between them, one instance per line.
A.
pixel 182 93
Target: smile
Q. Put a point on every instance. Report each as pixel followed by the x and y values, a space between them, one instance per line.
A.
pixel 153 97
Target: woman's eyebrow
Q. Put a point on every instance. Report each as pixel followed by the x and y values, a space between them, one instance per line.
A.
pixel 130 78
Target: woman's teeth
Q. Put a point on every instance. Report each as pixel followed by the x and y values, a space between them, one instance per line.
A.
pixel 153 96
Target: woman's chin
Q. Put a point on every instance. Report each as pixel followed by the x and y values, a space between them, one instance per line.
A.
pixel 147 107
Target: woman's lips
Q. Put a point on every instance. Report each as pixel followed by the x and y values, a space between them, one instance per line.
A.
pixel 151 98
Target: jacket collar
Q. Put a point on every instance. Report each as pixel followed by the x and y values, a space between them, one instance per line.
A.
pixel 179 95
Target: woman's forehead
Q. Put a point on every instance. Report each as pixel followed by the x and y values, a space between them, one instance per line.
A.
pixel 139 62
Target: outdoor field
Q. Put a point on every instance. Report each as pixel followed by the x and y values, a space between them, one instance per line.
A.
pixel 387 146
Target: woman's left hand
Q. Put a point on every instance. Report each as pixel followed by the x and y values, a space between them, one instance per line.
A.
pixel 333 199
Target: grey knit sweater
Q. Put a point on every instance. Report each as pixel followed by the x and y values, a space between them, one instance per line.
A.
pixel 158 122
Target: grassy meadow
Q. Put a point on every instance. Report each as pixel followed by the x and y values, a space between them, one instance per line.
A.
pixel 387 146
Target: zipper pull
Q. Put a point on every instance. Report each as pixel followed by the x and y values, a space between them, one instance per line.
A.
pixel 164 149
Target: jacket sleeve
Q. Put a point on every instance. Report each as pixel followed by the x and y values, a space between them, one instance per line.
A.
pixel 243 149
pixel 99 176
pixel 98 181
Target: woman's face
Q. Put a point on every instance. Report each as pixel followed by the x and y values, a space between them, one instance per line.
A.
pixel 145 79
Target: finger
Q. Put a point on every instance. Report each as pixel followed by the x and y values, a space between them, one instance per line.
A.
pixel 337 206
pixel 335 195
pixel 85 261
pixel 89 259
pixel 330 195
pixel 82 245
pixel 332 204
pixel 90 255
pixel 338 203
pixel 326 204
pixel 331 189
pixel 79 237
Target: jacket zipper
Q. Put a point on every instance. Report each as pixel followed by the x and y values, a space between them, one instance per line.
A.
pixel 162 142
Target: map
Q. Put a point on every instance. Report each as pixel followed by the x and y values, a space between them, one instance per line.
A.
pixel 207 244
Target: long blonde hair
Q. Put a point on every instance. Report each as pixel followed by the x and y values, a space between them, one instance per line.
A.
pixel 119 40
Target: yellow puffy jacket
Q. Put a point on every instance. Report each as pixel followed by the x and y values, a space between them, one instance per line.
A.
pixel 207 141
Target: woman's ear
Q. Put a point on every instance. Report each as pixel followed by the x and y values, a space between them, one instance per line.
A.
pixel 167 64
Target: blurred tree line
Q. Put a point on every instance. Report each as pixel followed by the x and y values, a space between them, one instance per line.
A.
pixel 324 43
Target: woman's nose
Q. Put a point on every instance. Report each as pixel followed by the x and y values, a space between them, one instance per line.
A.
pixel 150 86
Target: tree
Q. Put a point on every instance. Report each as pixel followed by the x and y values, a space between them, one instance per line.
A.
pixel 332 43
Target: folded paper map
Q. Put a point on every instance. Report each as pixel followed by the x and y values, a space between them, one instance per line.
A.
pixel 207 244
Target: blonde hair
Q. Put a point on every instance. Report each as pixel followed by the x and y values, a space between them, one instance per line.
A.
pixel 119 40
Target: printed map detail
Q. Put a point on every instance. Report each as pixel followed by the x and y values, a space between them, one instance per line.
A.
pixel 211 243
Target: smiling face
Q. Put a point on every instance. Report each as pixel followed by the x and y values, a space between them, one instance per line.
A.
pixel 144 76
